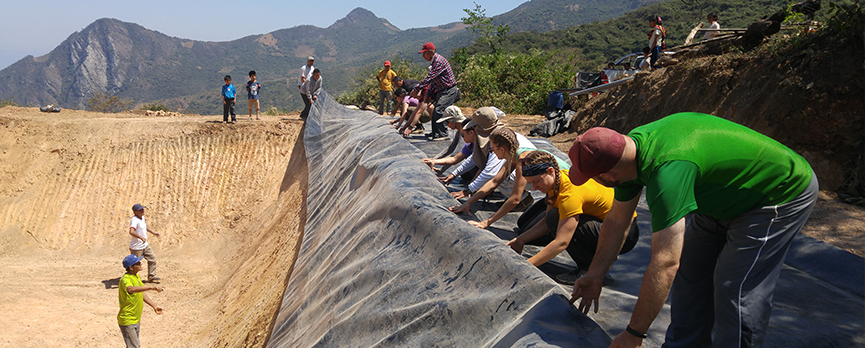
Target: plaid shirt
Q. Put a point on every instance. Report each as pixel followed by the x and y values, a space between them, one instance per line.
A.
pixel 440 77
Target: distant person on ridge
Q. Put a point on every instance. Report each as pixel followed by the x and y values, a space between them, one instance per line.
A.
pixel 228 92
pixel 252 88
pixel 385 88
pixel 713 24
pixel 656 37
pixel 132 297
pixel 309 92
pixel 443 91
pixel 305 71
pixel 139 246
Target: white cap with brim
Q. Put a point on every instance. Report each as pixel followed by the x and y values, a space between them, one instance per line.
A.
pixel 453 114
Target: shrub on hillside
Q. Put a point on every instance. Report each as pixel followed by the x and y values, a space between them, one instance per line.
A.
pixel 514 82
pixel 102 102
pixel 8 102
pixel 365 88
pixel 156 106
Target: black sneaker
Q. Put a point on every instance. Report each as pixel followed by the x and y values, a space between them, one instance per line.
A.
pixel 432 137
pixel 569 278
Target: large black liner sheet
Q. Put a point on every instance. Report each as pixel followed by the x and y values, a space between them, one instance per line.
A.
pixel 384 264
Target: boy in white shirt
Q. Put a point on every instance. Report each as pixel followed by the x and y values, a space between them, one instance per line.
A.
pixel 138 246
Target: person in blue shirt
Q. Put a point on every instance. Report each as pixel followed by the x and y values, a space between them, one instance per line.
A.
pixel 228 93
pixel 252 88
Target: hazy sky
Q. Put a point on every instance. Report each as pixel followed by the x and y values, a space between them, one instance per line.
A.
pixel 36 27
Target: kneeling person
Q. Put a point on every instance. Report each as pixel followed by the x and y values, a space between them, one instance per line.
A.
pixel 573 215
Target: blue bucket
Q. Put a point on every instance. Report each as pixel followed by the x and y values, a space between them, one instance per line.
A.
pixel 556 100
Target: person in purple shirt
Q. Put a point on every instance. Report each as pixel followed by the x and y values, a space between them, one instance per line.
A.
pixel 442 88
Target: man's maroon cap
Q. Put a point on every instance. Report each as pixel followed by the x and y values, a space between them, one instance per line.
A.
pixel 595 152
pixel 427 47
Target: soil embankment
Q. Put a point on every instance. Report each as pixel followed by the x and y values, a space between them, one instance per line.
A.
pixel 229 213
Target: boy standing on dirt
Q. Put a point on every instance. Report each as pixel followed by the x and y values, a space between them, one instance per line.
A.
pixel 132 298
pixel 228 92
pixel 252 88
pixel 139 246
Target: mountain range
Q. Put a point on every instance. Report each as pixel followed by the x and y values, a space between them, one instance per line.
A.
pixel 132 62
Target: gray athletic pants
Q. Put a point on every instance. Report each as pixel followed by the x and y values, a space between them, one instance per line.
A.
pixel 722 294
pixel 130 335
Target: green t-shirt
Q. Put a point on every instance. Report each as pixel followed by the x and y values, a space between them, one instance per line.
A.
pixel 702 164
pixel 130 304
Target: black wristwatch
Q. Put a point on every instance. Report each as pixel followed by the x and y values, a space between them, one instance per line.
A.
pixel 467 192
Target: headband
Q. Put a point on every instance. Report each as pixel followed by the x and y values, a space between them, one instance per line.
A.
pixel 536 168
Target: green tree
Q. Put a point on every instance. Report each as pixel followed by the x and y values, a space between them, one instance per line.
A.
pixel 365 88
pixel 156 106
pixel 514 82
pixel 488 33
pixel 102 102
pixel 8 102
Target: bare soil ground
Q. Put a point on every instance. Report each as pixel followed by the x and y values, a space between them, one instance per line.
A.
pixel 228 206
pixel 229 226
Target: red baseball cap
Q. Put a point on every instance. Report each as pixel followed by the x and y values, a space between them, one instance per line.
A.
pixel 427 47
pixel 595 152
pixel 387 63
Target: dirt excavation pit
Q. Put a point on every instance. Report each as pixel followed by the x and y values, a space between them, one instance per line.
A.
pixel 229 212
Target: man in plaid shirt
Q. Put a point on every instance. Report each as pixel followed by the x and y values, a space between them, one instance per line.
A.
pixel 441 86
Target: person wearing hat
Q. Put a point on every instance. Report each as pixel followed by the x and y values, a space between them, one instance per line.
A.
pixel 568 219
pixel 441 86
pixel 132 297
pixel 484 121
pixel 748 196
pixel 139 246
pixel 305 71
pixel 468 137
pixel 385 88
pixel 410 106
pixel 453 118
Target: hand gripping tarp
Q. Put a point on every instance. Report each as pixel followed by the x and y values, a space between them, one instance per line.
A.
pixel 384 264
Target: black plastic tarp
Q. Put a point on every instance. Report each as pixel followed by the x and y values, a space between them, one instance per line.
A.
pixel 383 263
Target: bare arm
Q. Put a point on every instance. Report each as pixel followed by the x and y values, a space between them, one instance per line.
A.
pixel 134 233
pixel 509 204
pixel 666 251
pixel 152 231
pixel 446 161
pixel 137 289
pixel 614 230
pixel 564 233
pixel 487 187
pixel 535 232
pixel 152 304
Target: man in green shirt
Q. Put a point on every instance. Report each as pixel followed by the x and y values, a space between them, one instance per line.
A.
pixel 748 196
pixel 132 298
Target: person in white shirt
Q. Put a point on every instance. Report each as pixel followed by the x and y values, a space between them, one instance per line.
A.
pixel 139 246
pixel 713 24
pixel 305 72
